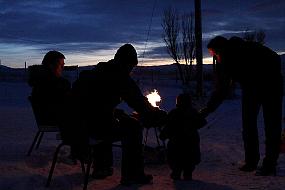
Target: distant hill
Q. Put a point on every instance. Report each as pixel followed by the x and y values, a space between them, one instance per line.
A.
pixel 5 68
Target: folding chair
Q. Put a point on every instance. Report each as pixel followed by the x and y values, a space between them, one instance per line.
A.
pixel 42 128
pixel 88 162
pixel 85 169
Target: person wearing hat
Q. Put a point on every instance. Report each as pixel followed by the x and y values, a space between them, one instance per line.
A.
pixel 99 91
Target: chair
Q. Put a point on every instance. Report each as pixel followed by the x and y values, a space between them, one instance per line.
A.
pixel 42 128
pixel 88 162
pixel 85 170
pixel 37 110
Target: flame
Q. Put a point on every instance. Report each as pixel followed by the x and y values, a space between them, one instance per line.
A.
pixel 153 98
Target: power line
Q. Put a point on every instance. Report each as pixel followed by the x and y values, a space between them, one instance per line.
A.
pixel 149 29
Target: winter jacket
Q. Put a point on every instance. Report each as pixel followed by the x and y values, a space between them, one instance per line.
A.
pixel 255 67
pixel 182 131
pixel 100 90
pixel 48 93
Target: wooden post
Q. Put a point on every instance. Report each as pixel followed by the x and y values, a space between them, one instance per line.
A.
pixel 199 54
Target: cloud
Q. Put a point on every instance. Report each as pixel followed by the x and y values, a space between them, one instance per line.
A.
pixel 65 22
pixel 274 6
pixel 84 27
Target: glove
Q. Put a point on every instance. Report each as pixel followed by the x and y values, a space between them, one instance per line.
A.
pixel 204 112
pixel 119 113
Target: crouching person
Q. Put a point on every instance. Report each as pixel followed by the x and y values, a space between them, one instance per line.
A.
pixel 183 148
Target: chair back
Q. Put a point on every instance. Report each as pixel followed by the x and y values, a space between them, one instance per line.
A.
pixel 44 119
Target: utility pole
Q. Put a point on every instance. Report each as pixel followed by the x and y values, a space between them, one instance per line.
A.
pixel 199 53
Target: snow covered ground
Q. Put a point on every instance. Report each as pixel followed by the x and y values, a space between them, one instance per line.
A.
pixel 221 147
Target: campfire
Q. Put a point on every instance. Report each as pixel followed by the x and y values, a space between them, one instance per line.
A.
pixel 153 98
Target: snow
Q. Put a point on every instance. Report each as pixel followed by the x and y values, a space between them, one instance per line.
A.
pixel 221 148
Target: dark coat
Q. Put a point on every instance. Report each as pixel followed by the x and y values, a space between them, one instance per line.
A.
pixel 48 92
pixel 182 131
pixel 100 90
pixel 255 67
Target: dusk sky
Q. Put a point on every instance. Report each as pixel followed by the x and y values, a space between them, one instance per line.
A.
pixel 89 31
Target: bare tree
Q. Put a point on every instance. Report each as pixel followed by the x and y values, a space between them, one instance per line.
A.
pixel 171 27
pixel 260 36
pixel 249 35
pixel 180 42
pixel 255 36
pixel 188 44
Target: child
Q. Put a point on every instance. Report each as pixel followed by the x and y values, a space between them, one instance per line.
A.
pixel 183 148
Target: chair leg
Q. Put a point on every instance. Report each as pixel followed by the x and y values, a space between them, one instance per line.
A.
pixel 40 139
pixel 82 167
pixel 33 144
pixel 53 164
pixel 157 137
pixel 145 137
pixel 89 163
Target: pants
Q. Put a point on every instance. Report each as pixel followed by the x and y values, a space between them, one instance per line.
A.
pixel 271 103
pixel 183 156
pixel 129 132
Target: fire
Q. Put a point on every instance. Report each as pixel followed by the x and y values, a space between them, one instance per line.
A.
pixel 153 98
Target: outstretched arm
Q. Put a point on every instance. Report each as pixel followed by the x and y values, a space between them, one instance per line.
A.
pixel 223 82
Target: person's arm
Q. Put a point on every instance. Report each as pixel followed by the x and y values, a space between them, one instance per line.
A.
pixel 222 86
pixel 132 95
pixel 199 120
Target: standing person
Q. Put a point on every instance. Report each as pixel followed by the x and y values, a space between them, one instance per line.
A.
pixel 183 147
pixel 49 88
pixel 99 91
pixel 258 70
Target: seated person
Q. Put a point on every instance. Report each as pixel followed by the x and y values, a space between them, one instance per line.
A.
pixel 98 92
pixel 51 94
pixel 49 88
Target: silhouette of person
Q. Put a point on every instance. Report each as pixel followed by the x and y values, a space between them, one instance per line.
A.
pixel 49 88
pixel 99 91
pixel 258 71
pixel 183 147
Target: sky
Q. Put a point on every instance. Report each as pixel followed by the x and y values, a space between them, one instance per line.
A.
pixel 90 31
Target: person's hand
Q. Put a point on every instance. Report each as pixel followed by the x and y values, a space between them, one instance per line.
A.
pixel 204 112
pixel 119 113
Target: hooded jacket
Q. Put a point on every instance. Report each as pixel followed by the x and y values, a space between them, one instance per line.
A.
pixel 100 90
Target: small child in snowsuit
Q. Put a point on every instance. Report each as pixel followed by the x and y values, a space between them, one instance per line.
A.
pixel 183 147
